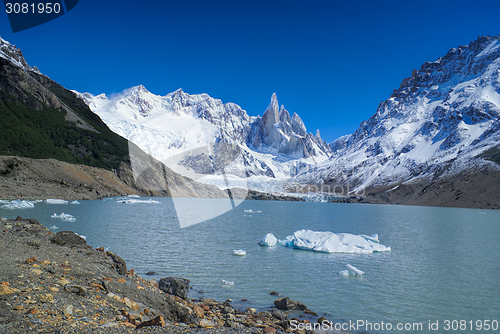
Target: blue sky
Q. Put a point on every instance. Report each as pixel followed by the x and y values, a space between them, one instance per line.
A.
pixel 332 62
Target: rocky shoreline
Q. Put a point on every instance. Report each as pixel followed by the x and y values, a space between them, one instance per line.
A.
pixel 56 283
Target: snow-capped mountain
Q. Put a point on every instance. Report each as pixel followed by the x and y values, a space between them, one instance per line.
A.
pixel 203 138
pixel 437 123
pixel 15 56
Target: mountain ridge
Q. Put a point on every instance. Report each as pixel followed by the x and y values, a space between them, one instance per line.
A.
pixel 40 120
pixel 445 113
pixel 176 129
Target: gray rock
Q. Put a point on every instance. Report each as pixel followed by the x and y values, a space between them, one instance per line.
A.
pixel 279 314
pixel 119 263
pixel 69 239
pixel 176 286
pixel 286 304
pixel 264 314
pixel 228 310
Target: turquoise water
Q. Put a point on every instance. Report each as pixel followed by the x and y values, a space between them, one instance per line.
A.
pixel 444 263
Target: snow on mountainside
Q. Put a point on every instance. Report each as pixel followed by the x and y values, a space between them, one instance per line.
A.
pixel 15 56
pixel 203 138
pixel 447 113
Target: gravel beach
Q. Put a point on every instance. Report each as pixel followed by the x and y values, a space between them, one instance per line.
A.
pixel 56 283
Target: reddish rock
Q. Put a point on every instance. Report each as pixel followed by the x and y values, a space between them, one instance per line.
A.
pixel 270 330
pixel 31 260
pixel 200 312
pixel 158 321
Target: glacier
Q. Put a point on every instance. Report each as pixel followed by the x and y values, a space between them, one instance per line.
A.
pixel 436 124
pixel 212 142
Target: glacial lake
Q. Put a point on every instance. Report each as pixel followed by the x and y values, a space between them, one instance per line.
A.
pixel 444 263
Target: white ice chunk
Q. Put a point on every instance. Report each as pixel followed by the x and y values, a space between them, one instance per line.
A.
pixel 55 201
pixel 19 204
pixel 354 271
pixel 268 240
pixel 64 216
pixel 239 252
pixel 134 196
pixel 344 273
pixel 250 210
pixel 54 227
pixel 330 242
pixel 138 201
pixel 75 202
pixel 227 282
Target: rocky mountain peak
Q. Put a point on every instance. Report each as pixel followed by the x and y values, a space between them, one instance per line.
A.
pixel 15 56
pixel 447 112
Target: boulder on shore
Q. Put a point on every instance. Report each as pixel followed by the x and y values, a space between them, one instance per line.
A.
pixel 176 286
pixel 286 304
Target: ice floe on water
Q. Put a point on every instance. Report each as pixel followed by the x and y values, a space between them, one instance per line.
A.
pixel 54 227
pixel 18 204
pixel 329 242
pixel 55 201
pixel 64 216
pixel 251 211
pixel 227 283
pixel 351 271
pixel 75 202
pixel 354 271
pixel 239 252
pixel 134 196
pixel 137 201
pixel 268 240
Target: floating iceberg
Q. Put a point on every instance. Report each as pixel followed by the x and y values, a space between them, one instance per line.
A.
pixel 55 201
pixel 227 282
pixel 134 196
pixel 250 211
pixel 64 216
pixel 351 271
pixel 354 271
pixel 330 242
pixel 135 201
pixel 268 240
pixel 239 252
pixel 54 227
pixel 75 202
pixel 19 204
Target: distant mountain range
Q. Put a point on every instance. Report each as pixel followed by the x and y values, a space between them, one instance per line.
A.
pixel 434 141
pixel 192 133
